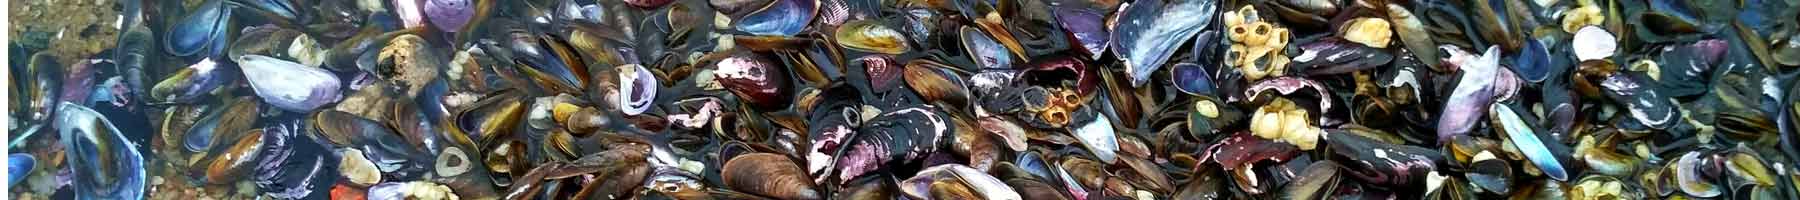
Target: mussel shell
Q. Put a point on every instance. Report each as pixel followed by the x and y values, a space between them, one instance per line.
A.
pixel 1192 79
pixel 768 174
pixel 1403 164
pixel 222 126
pixel 550 62
pixel 1085 26
pixel 637 89
pixel 204 30
pixel 1289 85
pixel 1689 179
pixel 934 82
pixel 288 85
pixel 780 17
pixel 1524 137
pixel 1490 174
pixel 755 79
pixel 1648 106
pixel 449 15
pixel 983 50
pixel 495 116
pixel 1686 67
pixel 1471 94
pixel 1239 153
pixel 883 72
pixel 907 133
pixel 871 36
pixel 1533 62
pixel 103 162
pixel 1788 53
pixel 39 96
pixel 1316 181
pixel 1148 33
pixel 229 164
pixel 19 165
pixel 1332 56
pixel 1098 137
pixel 737 8
pixel 931 181
pixel 290 166
pixel 390 152
pixel 261 40
pixel 1593 43
pixel 832 124
pixel 1411 30
pixel 194 82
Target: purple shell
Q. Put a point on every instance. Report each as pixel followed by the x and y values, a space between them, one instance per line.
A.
pixel 1469 100
pixel 449 15
pixel 1085 26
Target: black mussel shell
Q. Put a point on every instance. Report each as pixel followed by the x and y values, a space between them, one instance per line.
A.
pixel 778 18
pixel 755 79
pixel 293 166
pixel 204 30
pixel 1382 163
pixel 102 162
pixel 984 51
pixel 1085 27
pixel 1333 56
pixel 1150 32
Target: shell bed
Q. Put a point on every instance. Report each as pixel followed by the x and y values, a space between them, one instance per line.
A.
pixel 903 99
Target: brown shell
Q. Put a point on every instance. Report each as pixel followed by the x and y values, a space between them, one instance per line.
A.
pixel 176 121
pixel 768 174
pixel 334 127
pixel 1034 189
pixel 931 83
pixel 230 166
pixel 952 189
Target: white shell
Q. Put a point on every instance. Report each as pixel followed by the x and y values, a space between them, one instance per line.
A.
pixel 634 79
pixel 1593 43
pixel 1098 137
pixel 358 169
pixel 288 85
